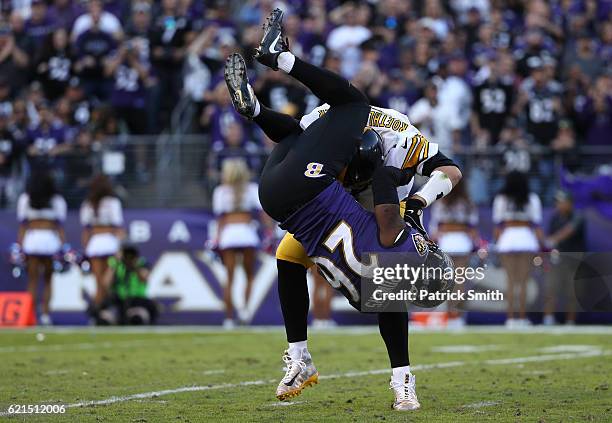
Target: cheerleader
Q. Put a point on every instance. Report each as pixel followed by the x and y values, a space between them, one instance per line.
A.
pixel 41 212
pixel 235 202
pixel 453 226
pixel 101 216
pixel 517 215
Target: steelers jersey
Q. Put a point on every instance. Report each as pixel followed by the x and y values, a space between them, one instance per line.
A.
pixel 403 145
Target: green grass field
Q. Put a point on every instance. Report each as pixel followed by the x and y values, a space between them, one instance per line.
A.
pixel 195 375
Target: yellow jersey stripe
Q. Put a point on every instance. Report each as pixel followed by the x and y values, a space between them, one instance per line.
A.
pixel 413 145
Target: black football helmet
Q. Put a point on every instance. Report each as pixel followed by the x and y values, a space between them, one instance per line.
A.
pixel 438 277
pixel 368 156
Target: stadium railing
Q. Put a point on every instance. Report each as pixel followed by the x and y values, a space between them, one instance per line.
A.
pixel 177 170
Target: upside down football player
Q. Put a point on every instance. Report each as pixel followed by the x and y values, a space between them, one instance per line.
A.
pixel 310 155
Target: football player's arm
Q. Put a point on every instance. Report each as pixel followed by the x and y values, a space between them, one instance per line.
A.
pixel 443 174
pixel 276 126
pixel 385 181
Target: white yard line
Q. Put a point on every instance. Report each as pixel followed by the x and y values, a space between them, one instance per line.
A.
pixel 84 346
pixel 285 403
pixel 352 374
pixel 481 404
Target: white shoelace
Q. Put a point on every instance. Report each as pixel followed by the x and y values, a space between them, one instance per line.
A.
pixel 406 389
pixel 293 368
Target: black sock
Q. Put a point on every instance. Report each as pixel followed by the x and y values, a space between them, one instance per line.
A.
pixel 328 86
pixel 293 295
pixel 394 331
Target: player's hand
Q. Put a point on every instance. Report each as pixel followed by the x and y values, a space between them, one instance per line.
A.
pixel 412 211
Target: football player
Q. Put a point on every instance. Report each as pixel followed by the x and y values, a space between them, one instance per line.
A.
pixel 403 146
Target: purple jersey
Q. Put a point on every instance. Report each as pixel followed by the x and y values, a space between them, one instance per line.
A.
pixel 128 90
pixel 45 139
pixel 221 118
pixel 341 237
pixel 38 31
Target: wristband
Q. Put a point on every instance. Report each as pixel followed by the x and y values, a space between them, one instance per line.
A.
pixel 438 185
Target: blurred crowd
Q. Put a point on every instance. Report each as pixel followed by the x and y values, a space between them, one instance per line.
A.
pixel 516 77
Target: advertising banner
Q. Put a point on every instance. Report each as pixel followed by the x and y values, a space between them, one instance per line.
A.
pixel 187 280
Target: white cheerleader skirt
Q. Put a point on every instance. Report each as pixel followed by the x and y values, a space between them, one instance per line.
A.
pixel 239 235
pixel 517 239
pixel 455 243
pixel 102 245
pixel 41 242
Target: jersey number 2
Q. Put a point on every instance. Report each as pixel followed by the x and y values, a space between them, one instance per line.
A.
pixel 342 235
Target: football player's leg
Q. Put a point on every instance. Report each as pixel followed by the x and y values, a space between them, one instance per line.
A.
pixel 394 331
pixel 292 263
pixel 276 126
pixel 294 300
pixel 274 52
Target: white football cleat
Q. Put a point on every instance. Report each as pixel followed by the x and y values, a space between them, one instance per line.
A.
pixel 405 394
pixel 300 374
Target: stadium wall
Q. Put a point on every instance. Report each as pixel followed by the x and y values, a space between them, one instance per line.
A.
pixel 187 280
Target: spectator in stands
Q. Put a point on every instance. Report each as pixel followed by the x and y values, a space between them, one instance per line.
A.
pixel 453 225
pixel 540 102
pixel 41 211
pixel 170 35
pixel 566 234
pixel 218 115
pixel 14 60
pixel 97 17
pixel 129 67
pixel 235 146
pixel 517 215
pixel 425 113
pixel 397 95
pixel 81 107
pixel 455 99
pixel 235 203
pixel 54 64
pixel 352 19
pixel 140 22
pixel 101 216
pixel 126 280
pixel 9 150
pixel 201 63
pixel 493 99
pixel 63 13
pixel 583 56
pixel 6 102
pixel 39 26
pixel 92 48
pixel 19 123
pixel 47 140
pixel 595 112
pixel 80 164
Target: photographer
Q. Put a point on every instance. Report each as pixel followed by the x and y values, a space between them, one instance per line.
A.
pixel 126 279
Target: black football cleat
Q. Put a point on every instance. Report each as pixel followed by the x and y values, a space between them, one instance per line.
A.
pixel 241 92
pixel 272 43
pixel 413 215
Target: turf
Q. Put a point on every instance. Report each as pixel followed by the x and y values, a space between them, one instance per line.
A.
pixel 470 380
